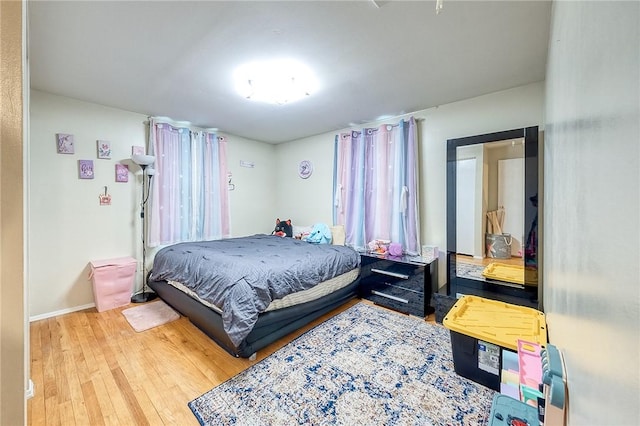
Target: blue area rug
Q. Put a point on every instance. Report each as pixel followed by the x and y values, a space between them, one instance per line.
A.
pixel 366 365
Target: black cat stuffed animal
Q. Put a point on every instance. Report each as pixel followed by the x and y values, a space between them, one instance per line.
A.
pixel 283 228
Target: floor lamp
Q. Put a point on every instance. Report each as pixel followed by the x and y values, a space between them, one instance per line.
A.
pixel 145 162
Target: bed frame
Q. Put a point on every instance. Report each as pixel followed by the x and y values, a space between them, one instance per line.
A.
pixel 271 325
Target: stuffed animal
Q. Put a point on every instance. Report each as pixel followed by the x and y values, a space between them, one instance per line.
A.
pixel 320 234
pixel 283 228
pixel 379 246
pixel 395 249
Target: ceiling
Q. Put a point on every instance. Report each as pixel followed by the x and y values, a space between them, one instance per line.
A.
pixel 372 59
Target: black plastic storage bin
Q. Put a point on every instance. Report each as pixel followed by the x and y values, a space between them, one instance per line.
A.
pixel 465 360
pixel 483 329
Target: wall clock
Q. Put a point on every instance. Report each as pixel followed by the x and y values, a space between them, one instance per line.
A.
pixel 305 168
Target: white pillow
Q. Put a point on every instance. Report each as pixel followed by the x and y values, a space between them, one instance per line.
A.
pixel 338 235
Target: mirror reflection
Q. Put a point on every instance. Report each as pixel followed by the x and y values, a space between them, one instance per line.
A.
pixel 491 238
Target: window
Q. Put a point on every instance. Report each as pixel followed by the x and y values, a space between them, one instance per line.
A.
pixel 376 185
pixel 189 196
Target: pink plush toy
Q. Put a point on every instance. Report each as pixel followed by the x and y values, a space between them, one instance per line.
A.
pixel 395 249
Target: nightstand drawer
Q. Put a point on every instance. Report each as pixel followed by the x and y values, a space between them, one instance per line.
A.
pixel 393 272
pixel 404 296
pixel 402 283
pixel 400 275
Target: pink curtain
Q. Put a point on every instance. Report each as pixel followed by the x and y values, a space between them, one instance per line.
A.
pixel 189 198
pixel 376 185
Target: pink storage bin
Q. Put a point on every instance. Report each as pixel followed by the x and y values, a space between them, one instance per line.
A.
pixel 112 282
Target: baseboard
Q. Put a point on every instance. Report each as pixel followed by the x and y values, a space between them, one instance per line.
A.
pixel 61 312
pixel 30 390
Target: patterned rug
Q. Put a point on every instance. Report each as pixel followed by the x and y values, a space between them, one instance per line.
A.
pixel 366 365
pixel 469 270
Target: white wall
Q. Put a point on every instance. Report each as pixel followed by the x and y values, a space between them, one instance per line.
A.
pixel 309 201
pixel 255 196
pixel 306 201
pixel 67 226
pixel 592 212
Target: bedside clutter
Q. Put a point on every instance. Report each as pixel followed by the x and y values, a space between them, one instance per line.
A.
pixel 401 283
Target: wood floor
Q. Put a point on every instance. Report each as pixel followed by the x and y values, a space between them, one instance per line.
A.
pixel 92 368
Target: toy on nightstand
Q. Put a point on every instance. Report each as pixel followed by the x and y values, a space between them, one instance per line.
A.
pixel 395 249
pixel 379 246
pixel 283 228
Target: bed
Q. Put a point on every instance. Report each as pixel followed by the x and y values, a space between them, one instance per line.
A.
pixel 247 292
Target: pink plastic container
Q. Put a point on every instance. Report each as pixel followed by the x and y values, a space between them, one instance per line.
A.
pixel 530 364
pixel 112 282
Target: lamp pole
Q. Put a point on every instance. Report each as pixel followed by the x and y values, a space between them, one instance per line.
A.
pixel 144 163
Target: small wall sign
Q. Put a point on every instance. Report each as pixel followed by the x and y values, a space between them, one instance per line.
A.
pixel 105 199
pixel 85 169
pixel 65 144
pixel 104 149
pixel 122 173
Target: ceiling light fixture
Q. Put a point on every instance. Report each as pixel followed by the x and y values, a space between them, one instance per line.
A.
pixel 277 82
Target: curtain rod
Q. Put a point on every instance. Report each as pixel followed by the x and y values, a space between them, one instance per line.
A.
pixel 182 124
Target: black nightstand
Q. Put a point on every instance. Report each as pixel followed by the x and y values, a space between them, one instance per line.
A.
pixel 401 283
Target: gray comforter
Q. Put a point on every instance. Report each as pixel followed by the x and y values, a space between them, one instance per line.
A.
pixel 243 275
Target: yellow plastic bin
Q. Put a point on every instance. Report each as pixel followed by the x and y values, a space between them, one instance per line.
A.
pixel 481 329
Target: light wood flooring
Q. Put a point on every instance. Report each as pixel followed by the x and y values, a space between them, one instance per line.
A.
pixel 92 368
